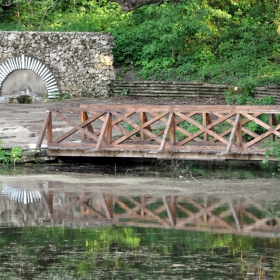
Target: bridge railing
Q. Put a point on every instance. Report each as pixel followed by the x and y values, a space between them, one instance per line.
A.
pixel 162 130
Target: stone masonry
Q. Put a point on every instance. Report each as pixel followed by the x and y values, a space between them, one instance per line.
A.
pixel 81 64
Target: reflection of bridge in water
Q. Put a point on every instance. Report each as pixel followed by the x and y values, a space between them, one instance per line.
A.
pixel 217 214
pixel 213 213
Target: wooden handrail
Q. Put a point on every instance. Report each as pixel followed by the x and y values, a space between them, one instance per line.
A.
pixel 219 130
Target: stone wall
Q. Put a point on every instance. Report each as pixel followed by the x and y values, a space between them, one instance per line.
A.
pixel 78 63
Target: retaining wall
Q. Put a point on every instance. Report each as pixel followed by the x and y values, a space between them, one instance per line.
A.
pixel 77 63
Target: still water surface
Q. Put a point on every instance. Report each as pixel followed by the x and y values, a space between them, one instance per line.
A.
pixel 50 230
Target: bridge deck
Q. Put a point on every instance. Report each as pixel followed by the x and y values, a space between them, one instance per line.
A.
pixel 182 132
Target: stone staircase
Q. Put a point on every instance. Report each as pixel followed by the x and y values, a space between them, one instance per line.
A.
pixel 184 89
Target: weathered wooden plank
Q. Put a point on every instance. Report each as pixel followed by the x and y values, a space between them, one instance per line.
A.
pixel 164 155
pixel 181 108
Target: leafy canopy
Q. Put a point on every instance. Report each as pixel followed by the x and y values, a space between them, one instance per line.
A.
pixel 217 41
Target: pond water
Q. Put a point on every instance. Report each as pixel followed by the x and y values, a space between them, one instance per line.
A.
pixel 103 227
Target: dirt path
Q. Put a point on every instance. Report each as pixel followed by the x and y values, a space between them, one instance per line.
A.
pixel 20 123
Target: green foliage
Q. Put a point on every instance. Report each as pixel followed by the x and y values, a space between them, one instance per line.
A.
pixel 4 155
pixel 7 156
pixel 189 127
pixel 272 150
pixel 228 42
pixel 247 98
pixel 130 128
pixel 231 42
pixel 16 154
pixel 48 15
pixel 24 99
pixel 63 96
pixel 124 92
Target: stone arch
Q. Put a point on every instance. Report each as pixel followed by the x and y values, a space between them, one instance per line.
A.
pixel 29 63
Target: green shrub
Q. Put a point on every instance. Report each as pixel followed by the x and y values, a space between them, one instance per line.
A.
pixel 10 156
pixel 272 150
pixel 4 155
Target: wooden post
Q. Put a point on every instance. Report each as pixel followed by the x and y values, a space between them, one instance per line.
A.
pixel 172 131
pixel 206 121
pixel 272 122
pixel 109 129
pixel 143 119
pixel 239 132
pixel 49 129
pixel 84 117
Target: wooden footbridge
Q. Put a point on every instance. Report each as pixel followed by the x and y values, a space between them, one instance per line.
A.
pixel 165 132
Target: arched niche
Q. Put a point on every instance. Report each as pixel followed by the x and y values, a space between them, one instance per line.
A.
pixel 26 75
pixel 24 82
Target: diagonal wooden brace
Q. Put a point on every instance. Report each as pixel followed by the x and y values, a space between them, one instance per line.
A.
pixel 170 127
pixel 76 127
pixel 107 127
pixel 235 128
pixel 47 126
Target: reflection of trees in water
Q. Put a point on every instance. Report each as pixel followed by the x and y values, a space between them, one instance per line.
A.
pixel 143 253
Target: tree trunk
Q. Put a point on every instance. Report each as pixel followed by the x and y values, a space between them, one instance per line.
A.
pixel 130 5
